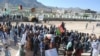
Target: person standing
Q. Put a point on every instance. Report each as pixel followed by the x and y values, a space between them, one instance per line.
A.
pixel 7 52
pixel 23 42
pixel 57 42
pixel 1 49
pixel 28 46
pixel 15 39
pixel 42 47
pixel 93 29
pixel 1 35
pixel 36 45
pixel 99 44
pixel 69 48
pixel 86 26
pixel 95 46
pixel 5 36
pixel 78 48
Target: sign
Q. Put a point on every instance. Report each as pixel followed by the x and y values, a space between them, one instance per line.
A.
pixel 49 36
pixel 41 17
pixel 51 52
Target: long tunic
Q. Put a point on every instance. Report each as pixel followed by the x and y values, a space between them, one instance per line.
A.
pixel 23 40
pixel 95 47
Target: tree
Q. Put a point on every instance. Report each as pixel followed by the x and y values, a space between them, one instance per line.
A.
pixel 85 16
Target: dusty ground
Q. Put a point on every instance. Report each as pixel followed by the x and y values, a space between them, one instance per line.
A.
pixel 80 26
pixel 73 25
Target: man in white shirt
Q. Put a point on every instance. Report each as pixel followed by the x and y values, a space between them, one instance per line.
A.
pixel 95 46
pixel 23 40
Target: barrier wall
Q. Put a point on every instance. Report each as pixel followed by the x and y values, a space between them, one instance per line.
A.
pixel 68 19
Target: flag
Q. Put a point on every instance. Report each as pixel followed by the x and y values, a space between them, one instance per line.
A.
pixel 60 30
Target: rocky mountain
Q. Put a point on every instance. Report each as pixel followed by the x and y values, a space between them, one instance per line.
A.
pixel 26 3
pixel 36 4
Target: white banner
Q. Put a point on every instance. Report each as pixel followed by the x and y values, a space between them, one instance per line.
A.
pixel 51 52
pixel 41 17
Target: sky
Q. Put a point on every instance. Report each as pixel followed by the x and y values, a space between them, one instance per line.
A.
pixel 84 4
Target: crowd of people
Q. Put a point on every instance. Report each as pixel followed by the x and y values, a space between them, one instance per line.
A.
pixel 35 39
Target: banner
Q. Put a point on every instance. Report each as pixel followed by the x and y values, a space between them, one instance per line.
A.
pixel 51 52
pixel 49 36
pixel 41 17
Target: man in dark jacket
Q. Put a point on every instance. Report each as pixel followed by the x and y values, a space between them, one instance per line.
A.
pixel 36 45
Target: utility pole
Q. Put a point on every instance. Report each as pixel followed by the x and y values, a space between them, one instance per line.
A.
pixel 6 4
pixel 6 7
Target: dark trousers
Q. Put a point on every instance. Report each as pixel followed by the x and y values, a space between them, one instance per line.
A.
pixel 22 53
pixel 91 52
pixel 35 52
